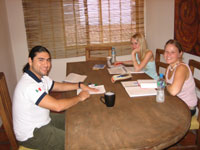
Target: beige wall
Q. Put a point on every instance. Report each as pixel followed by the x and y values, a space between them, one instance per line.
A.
pixel 6 56
pixel 17 32
pixel 159 22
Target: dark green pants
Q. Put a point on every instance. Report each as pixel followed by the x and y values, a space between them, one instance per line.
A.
pixel 50 136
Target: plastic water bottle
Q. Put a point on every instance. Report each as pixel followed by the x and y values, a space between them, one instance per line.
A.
pixel 160 97
pixel 113 55
pixel 109 61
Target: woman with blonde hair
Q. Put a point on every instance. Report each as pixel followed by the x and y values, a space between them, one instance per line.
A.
pixel 142 58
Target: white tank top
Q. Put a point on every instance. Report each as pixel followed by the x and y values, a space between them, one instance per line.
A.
pixel 188 92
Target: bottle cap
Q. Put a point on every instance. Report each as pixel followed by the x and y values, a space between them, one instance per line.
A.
pixel 161 75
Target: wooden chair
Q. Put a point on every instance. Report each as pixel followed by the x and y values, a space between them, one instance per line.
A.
pixel 158 62
pixel 192 138
pixel 195 123
pixel 99 50
pixel 6 114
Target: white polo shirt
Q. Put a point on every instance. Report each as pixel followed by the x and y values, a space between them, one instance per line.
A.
pixel 27 115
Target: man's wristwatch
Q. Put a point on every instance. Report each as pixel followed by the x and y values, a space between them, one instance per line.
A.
pixel 79 84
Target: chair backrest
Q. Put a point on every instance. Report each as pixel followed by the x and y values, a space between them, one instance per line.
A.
pixel 158 62
pixel 6 111
pixel 99 49
pixel 195 65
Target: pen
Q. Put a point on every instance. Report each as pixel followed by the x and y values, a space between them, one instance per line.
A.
pixel 123 75
pixel 92 85
pixel 124 69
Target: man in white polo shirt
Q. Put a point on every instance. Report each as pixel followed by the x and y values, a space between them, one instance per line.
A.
pixel 34 125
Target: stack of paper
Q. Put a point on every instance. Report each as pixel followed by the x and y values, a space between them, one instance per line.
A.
pixel 75 78
pixel 134 90
pixel 101 90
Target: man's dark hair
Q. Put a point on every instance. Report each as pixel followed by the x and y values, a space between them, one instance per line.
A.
pixel 33 53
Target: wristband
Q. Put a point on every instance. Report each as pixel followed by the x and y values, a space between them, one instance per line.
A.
pixel 79 85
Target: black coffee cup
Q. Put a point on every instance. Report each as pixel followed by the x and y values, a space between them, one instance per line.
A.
pixel 108 99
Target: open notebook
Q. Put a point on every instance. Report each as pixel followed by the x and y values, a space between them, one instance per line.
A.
pixel 134 90
pixel 122 70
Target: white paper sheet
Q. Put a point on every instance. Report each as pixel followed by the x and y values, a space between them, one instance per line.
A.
pixel 75 78
pixel 147 83
pixel 101 89
pixel 129 83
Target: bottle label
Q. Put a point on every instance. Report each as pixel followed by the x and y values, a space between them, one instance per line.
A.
pixel 161 84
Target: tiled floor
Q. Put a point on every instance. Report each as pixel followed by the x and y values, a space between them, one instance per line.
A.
pixel 4 143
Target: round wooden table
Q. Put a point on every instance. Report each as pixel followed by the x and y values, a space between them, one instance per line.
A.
pixel 133 123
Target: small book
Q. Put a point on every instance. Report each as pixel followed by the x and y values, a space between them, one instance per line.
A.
pixel 147 83
pixel 98 66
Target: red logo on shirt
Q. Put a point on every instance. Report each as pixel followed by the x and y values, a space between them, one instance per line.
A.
pixel 39 89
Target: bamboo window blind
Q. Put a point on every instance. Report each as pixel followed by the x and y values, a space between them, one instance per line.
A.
pixel 65 27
